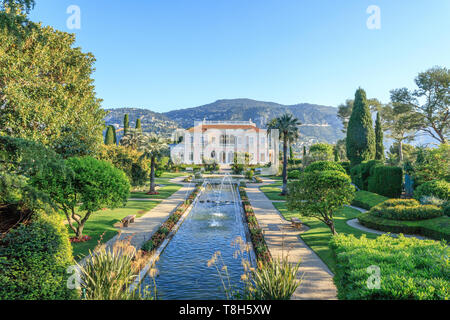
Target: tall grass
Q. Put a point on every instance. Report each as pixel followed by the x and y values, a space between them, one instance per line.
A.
pixel 109 272
pixel 275 279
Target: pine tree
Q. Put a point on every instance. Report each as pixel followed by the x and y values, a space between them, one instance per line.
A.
pixel 126 124
pixel 360 133
pixel 379 147
pixel 138 125
pixel 110 137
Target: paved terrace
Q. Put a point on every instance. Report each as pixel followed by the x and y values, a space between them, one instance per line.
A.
pixel 284 240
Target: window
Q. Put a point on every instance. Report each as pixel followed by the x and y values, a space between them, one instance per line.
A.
pixel 262 158
pixel 192 139
pixel 263 141
pixel 191 156
pixel 213 154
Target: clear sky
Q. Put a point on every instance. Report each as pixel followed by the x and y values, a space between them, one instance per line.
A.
pixel 167 54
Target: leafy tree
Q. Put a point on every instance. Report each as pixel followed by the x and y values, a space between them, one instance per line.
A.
pixel 287 127
pixel 433 89
pixel 46 89
pixel 17 6
pixel 126 124
pixel 319 194
pixel 152 147
pixel 408 153
pixel 83 187
pixel 319 152
pixel 360 132
pixel 110 137
pixel 379 146
pixel 340 149
pixel 128 160
pixel 432 164
pixel 401 120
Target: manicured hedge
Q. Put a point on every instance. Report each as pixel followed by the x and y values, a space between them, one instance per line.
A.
pixel 410 269
pixel 387 181
pixel 367 200
pixel 346 165
pixel 325 166
pixel 437 188
pixel 437 228
pixel 295 174
pixel 360 173
pixel 33 260
pixel 405 209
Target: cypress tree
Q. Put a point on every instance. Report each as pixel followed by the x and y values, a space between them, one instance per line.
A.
pixel 336 154
pixel 360 133
pixel 304 151
pixel 138 125
pixel 110 136
pixel 126 124
pixel 379 147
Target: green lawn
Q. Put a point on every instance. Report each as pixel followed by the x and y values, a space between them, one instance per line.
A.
pixel 367 200
pixel 319 235
pixel 166 191
pixel 103 222
pixel 272 191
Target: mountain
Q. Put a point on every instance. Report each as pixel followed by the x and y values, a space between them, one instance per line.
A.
pixel 319 123
pixel 150 121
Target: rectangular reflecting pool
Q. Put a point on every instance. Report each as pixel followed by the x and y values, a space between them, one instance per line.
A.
pixel 215 221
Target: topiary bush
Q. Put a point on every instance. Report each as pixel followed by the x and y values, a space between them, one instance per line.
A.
pixel 405 209
pixel 436 188
pixel 387 181
pixel 325 166
pixel 294 174
pixel 33 260
pixel 346 165
pixel 361 173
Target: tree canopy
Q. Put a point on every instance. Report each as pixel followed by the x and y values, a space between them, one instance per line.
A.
pixel 47 95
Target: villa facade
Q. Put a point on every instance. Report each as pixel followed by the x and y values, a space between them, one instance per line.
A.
pixel 225 141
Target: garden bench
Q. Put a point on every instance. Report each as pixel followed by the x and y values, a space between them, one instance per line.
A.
pixel 296 223
pixel 127 220
pixel 189 169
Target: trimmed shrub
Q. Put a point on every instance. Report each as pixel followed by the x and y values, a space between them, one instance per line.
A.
pixel 436 228
pixel 325 166
pixel 387 181
pixel 346 165
pixel 360 173
pixel 411 269
pixel 446 208
pixel 33 260
pixel 436 188
pixel 405 209
pixel 294 174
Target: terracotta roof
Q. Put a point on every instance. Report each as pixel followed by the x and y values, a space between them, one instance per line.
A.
pixel 225 126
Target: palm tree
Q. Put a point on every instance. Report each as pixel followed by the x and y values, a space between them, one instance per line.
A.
pixel 152 147
pixel 287 126
pixel 131 138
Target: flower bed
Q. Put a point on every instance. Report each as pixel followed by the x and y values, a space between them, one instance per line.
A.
pixel 256 233
pixel 83 239
pixel 160 235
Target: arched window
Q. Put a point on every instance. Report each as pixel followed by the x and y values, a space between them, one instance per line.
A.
pixel 213 154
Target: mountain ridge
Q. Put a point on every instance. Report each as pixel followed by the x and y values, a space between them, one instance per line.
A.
pixel 319 122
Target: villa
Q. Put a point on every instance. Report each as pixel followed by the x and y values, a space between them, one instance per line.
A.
pixel 222 141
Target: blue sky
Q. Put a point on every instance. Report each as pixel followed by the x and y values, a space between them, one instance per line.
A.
pixel 166 54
